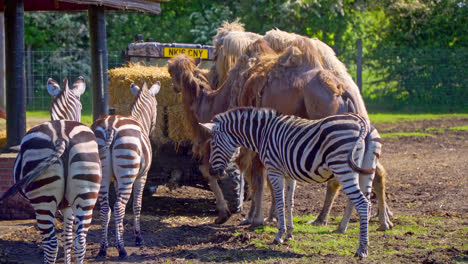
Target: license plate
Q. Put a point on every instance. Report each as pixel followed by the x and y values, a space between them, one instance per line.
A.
pixel 195 53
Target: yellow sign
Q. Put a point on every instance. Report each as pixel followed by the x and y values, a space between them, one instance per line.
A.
pixel 195 53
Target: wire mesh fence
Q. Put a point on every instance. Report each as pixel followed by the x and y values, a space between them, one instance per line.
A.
pixel 42 65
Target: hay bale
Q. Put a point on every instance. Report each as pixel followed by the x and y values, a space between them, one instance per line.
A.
pixel 177 132
pixel 169 102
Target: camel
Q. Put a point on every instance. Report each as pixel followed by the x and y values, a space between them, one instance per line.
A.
pixel 309 87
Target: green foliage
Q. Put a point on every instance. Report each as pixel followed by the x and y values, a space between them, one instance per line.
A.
pixel 415 52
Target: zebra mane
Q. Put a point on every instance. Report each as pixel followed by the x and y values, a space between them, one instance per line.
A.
pixel 248 110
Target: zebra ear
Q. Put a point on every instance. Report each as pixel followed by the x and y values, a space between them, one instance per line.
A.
pixel 79 86
pixel 134 89
pixel 53 87
pixel 208 126
pixel 154 90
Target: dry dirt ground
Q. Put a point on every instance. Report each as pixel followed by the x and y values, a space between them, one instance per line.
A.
pixel 427 179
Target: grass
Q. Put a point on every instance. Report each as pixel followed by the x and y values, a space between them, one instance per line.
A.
pixel 86 118
pixel 411 235
pixel 405 134
pixel 402 117
pixel 460 128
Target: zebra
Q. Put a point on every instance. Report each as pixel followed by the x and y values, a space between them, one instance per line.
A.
pixel 58 167
pixel 66 104
pixel 292 148
pixel 126 155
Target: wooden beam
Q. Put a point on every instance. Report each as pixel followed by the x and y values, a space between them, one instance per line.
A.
pixel 99 80
pixel 15 79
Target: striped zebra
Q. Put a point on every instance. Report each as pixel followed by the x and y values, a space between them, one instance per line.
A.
pixel 58 168
pixel 126 155
pixel 66 104
pixel 313 151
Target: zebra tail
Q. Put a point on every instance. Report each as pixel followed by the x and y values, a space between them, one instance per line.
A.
pixel 60 146
pixel 109 138
pixel 361 140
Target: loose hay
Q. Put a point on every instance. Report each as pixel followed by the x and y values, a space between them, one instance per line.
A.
pixel 169 107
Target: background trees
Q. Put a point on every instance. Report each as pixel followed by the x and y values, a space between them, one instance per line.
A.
pixel 415 51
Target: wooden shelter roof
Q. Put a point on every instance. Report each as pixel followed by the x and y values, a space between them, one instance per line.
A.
pixel 150 6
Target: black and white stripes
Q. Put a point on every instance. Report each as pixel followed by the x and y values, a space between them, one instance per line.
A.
pixel 66 104
pixel 126 156
pixel 292 148
pixel 58 167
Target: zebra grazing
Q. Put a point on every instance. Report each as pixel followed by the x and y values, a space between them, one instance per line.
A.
pixel 66 104
pixel 58 167
pixel 126 155
pixel 292 148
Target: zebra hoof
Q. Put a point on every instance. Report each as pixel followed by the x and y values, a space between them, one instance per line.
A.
pixel 122 253
pixel 277 241
pixel 245 222
pixel 102 253
pixel 361 252
pixel 139 241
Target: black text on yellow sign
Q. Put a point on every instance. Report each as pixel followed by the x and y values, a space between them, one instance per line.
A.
pixel 195 53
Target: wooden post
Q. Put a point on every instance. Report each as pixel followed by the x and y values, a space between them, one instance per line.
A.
pixel 15 81
pixel 99 81
pixel 359 64
pixel 2 62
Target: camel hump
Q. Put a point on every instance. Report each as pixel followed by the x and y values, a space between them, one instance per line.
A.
pixel 331 82
pixel 292 57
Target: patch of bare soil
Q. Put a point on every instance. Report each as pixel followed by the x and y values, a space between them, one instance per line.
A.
pixel 427 178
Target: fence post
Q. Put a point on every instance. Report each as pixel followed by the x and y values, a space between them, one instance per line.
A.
pixel 359 64
pixel 29 76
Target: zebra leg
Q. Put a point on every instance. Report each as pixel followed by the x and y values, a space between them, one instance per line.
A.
pixel 123 196
pixel 383 212
pixel 138 187
pixel 350 184
pixel 45 216
pixel 290 188
pixel 333 186
pixel 105 215
pixel 82 224
pixel 67 235
pixel 277 182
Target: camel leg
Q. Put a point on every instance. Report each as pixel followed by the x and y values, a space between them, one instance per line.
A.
pixel 221 204
pixel 383 212
pixel 258 179
pixel 333 186
pixel 272 215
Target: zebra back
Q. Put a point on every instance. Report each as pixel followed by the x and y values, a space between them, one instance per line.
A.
pixel 66 104
pixel 143 109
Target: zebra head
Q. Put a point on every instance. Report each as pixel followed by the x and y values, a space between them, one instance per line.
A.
pixel 223 150
pixel 144 106
pixel 66 104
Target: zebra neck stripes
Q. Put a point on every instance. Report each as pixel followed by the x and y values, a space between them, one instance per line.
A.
pixel 66 104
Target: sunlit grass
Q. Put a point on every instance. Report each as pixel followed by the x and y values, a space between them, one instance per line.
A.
pixel 405 134
pixel 395 117
pixel 460 128
pixel 410 235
